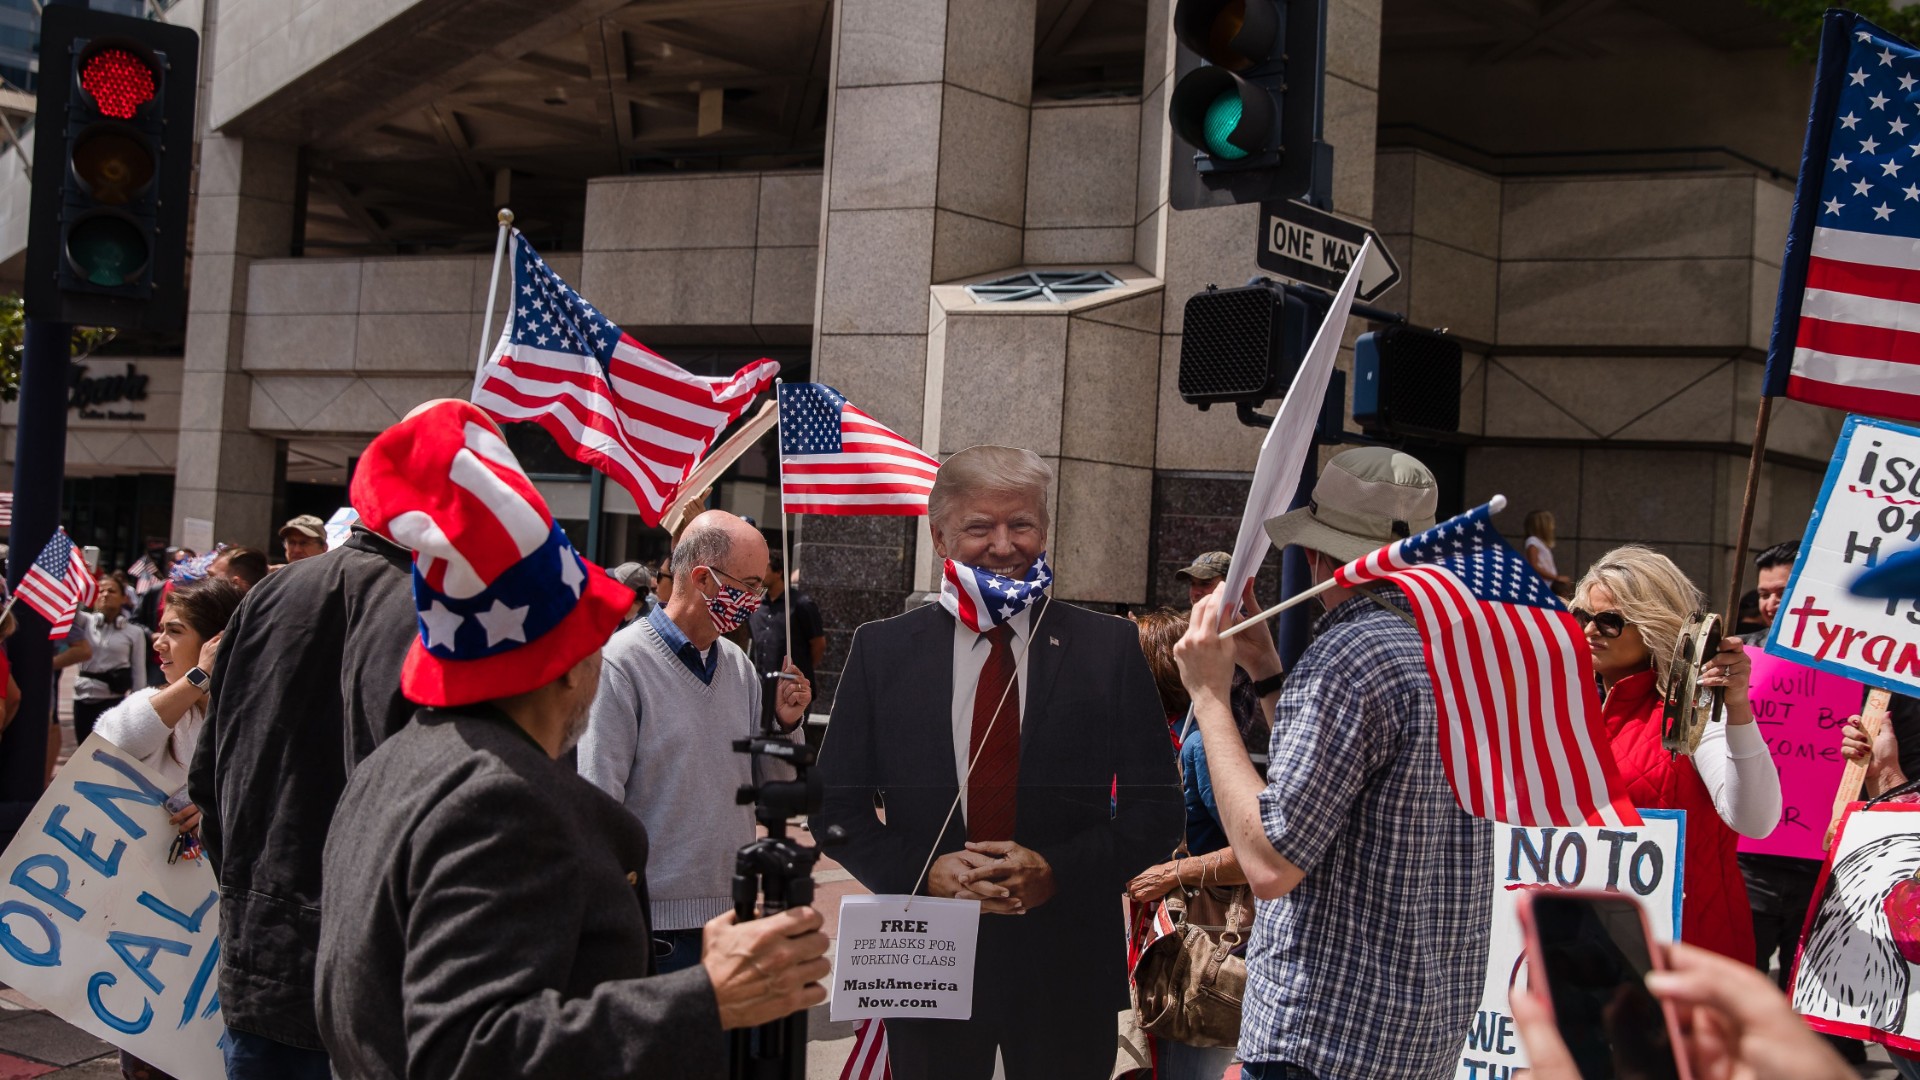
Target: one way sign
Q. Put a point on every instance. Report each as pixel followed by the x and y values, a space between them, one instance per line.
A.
pixel 1317 248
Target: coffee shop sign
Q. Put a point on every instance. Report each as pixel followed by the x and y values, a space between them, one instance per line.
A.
pixel 89 392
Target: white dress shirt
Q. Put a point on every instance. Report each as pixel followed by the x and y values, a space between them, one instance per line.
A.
pixel 970 652
pixel 1738 770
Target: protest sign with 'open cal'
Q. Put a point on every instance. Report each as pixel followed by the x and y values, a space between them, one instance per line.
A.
pixel 98 928
pixel 1869 510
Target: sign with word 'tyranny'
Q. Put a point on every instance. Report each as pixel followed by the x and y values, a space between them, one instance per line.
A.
pixel 99 929
pixel 1643 862
pixel 1868 510
pixel 904 956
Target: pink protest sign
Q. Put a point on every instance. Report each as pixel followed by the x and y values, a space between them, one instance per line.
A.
pixel 1800 712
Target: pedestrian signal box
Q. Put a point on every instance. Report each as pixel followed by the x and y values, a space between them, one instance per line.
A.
pixel 1406 381
pixel 112 171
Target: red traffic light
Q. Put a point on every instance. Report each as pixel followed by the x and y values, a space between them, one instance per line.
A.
pixel 118 80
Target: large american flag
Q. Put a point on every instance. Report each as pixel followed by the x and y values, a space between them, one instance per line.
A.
pixel 1520 729
pixel 608 400
pixel 835 459
pixel 58 583
pixel 1846 331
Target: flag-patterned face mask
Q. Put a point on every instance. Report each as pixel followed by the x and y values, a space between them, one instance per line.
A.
pixel 730 606
pixel 982 599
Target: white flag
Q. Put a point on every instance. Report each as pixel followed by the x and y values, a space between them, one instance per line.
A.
pixel 1290 439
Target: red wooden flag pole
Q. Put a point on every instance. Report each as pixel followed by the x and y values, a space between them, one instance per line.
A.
pixel 1738 567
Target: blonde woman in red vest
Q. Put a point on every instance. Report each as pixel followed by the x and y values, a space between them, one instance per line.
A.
pixel 1633 604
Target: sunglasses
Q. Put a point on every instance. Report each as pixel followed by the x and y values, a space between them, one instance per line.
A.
pixel 1608 623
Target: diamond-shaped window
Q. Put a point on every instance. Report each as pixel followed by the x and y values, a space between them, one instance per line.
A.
pixel 1052 286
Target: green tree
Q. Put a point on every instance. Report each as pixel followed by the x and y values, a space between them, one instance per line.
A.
pixel 13 343
pixel 1803 20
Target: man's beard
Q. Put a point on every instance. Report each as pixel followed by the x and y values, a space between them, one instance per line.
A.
pixel 577 725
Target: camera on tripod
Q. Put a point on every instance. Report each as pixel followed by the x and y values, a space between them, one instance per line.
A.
pixel 770 875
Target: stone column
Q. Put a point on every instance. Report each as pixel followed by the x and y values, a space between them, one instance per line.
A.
pixel 925 182
pixel 244 212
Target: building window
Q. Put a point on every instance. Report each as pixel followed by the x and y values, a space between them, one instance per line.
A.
pixel 1052 286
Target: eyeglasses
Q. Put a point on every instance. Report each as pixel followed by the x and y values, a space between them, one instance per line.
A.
pixel 759 592
pixel 1608 623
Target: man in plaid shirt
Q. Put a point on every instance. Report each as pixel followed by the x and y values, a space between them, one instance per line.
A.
pixel 1368 957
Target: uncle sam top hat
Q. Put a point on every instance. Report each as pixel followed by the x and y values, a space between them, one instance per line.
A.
pixel 505 603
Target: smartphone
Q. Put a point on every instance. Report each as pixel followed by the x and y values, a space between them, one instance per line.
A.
pixel 1592 951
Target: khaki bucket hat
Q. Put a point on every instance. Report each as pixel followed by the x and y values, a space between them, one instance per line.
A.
pixel 1365 499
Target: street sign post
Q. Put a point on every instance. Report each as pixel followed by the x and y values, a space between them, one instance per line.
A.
pixel 1315 247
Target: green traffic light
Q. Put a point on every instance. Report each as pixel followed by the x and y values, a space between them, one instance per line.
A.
pixel 1222 117
pixel 107 250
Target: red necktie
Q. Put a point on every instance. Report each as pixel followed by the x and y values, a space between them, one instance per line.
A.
pixel 994 748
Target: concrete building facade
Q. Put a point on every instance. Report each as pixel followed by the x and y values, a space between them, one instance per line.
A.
pixel 1577 195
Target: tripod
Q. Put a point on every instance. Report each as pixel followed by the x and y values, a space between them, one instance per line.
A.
pixel 775 873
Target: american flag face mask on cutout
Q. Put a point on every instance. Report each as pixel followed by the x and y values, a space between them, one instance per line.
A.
pixel 982 599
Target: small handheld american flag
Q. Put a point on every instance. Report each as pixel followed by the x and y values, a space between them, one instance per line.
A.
pixel 1843 333
pixel 1520 730
pixel 835 459
pixel 609 401
pixel 58 584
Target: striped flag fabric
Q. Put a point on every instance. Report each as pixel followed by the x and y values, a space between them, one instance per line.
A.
pixel 981 599
pixel 58 583
pixel 609 401
pixel 1520 731
pixel 6 509
pixel 835 459
pixel 1846 331
pixel 869 1058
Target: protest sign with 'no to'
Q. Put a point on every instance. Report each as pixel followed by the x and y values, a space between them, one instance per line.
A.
pixel 99 929
pixel 1643 863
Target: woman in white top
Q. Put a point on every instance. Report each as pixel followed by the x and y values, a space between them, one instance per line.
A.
pixel 119 661
pixel 160 725
pixel 1634 603
pixel 1539 548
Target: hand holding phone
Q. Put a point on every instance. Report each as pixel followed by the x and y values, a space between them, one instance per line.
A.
pixel 1721 1018
pixel 1592 951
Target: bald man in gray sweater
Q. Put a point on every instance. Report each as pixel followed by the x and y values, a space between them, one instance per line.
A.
pixel 674 695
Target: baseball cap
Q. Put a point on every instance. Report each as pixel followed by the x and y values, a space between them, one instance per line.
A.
pixel 1211 566
pixel 306 525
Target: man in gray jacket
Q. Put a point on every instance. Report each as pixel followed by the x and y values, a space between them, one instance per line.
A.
pixel 486 909
pixel 674 695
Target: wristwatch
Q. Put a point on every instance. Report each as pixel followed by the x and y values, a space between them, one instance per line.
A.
pixel 1263 687
pixel 198 678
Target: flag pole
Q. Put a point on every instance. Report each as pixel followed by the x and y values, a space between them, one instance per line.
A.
pixel 493 290
pixel 1737 568
pixel 786 566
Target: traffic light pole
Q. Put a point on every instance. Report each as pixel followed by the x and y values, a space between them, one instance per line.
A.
pixel 39 461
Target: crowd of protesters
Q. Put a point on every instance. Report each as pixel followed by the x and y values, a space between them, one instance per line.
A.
pixel 470 798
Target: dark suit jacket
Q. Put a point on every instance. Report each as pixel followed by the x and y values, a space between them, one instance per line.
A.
pixel 486 917
pixel 1092 717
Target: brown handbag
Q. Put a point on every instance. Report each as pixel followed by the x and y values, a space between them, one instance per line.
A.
pixel 1188 983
